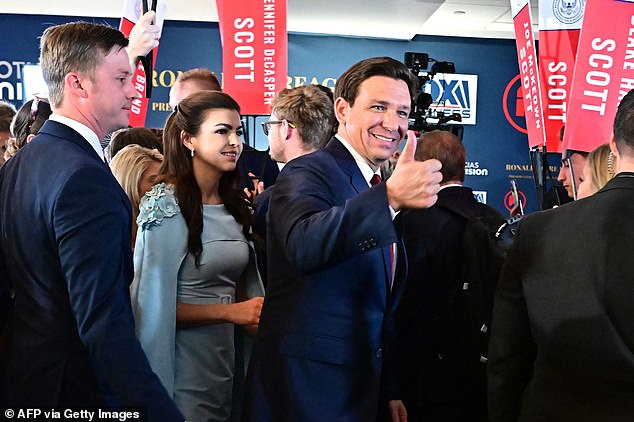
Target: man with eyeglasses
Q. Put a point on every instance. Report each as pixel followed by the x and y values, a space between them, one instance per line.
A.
pixel 302 121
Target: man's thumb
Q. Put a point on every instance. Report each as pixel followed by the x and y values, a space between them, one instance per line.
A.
pixel 409 150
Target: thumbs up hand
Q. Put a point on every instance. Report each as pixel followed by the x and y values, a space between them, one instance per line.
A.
pixel 413 184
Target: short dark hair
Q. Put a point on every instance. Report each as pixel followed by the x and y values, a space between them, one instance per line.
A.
pixel 624 123
pixel 347 85
pixel 446 148
pixel 74 47
pixel 134 136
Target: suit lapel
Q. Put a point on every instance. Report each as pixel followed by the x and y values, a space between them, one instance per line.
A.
pixel 348 165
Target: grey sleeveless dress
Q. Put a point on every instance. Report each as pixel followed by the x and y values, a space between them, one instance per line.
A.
pixel 205 354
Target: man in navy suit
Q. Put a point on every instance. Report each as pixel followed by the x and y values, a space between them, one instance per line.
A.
pixel 327 318
pixel 65 242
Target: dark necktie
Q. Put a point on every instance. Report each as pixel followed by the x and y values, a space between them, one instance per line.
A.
pixel 376 179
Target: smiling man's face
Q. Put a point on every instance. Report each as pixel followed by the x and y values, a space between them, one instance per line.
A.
pixel 377 122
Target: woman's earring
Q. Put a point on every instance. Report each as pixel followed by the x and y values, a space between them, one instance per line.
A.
pixel 192 150
pixel 611 164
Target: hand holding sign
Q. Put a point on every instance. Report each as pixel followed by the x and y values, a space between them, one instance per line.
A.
pixel 144 36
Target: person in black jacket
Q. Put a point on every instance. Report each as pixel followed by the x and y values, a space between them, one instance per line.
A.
pixel 563 328
pixel 441 374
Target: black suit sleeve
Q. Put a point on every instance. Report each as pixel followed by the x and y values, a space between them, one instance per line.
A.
pixel 512 350
pixel 91 226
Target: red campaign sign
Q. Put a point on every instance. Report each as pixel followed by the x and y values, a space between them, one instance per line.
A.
pixel 254 51
pixel 604 72
pixel 559 29
pixel 131 13
pixel 529 76
pixel 557 51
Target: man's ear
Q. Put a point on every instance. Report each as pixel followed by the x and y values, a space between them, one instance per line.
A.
pixel 613 148
pixel 342 108
pixel 287 130
pixel 74 84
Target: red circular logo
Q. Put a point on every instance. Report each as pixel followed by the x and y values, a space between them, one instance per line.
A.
pixel 517 103
pixel 509 201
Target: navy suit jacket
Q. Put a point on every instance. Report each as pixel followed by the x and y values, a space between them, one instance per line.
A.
pixel 327 315
pixel 65 249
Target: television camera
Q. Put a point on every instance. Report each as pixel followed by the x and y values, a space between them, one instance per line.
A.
pixel 422 118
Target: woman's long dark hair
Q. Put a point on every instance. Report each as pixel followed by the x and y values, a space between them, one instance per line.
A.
pixel 177 168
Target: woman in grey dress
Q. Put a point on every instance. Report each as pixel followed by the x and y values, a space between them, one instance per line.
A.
pixel 195 273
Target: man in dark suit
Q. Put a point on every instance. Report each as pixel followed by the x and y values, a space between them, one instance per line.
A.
pixel 327 317
pixel 65 242
pixel 442 377
pixel 562 339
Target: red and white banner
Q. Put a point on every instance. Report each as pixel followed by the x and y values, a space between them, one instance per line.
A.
pixel 559 28
pixel 254 51
pixel 604 72
pixel 132 11
pixel 529 76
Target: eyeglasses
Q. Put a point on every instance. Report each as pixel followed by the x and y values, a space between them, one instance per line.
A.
pixel 266 126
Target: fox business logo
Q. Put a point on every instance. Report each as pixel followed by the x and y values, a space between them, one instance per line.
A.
pixel 454 93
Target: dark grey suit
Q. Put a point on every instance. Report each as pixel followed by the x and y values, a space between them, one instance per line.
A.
pixel 562 345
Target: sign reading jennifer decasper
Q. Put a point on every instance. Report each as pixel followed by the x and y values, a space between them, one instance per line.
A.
pixel 254 51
